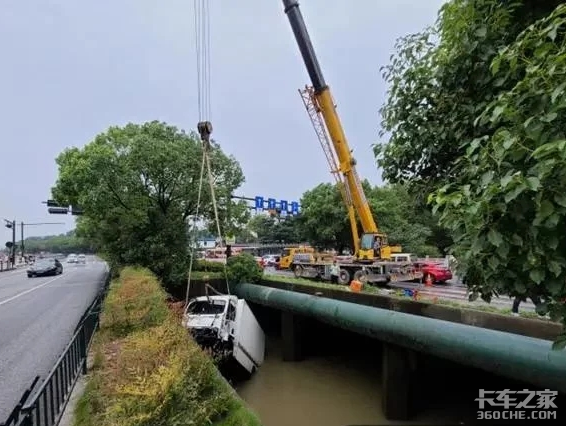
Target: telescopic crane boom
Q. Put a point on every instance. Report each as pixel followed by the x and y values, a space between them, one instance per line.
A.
pixel 320 105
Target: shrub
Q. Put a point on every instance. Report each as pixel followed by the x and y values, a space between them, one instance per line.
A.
pixel 243 268
pixel 134 302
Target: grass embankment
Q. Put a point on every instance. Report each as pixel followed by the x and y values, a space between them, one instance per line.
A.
pixel 398 293
pixel 147 371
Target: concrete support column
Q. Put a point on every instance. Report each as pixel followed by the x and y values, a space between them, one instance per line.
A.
pixel 397 378
pixel 291 333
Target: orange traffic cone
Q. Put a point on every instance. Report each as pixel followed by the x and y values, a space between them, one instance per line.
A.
pixel 428 281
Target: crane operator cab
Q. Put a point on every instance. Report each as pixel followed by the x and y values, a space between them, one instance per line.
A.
pixel 374 247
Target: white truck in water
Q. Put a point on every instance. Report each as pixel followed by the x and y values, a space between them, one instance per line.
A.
pixel 227 326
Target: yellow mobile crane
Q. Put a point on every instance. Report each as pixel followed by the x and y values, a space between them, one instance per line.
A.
pixel 372 252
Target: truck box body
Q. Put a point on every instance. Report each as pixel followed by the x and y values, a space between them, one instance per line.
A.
pixel 249 338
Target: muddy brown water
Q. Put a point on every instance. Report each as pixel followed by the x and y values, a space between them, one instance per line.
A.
pixel 323 391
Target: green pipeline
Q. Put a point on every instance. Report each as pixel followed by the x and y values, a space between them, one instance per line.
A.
pixel 511 355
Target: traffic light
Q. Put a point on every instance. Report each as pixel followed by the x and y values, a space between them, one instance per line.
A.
pixel 9 244
pixel 58 210
pixel 76 211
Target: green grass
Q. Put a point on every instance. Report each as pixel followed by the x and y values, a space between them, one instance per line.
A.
pixel 147 371
pixel 398 294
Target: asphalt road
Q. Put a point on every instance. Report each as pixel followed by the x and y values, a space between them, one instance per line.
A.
pixel 37 320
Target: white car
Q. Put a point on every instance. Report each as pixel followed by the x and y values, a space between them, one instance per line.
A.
pixel 72 258
pixel 81 259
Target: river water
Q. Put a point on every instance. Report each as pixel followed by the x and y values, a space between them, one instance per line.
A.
pixel 322 390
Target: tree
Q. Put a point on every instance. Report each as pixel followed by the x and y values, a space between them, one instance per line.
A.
pixel 507 208
pixel 397 215
pixel 138 188
pixel 324 221
pixel 275 230
pixel 63 243
pixel 438 88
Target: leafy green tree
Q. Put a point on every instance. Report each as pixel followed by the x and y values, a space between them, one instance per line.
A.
pixel 138 188
pixel 287 230
pixel 63 243
pixel 324 221
pixel 270 229
pixel 439 82
pixel 397 215
pixel 507 208
pixel 262 227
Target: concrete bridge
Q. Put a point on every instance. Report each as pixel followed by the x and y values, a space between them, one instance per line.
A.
pixel 514 348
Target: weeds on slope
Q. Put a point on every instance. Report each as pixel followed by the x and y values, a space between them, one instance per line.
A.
pixel 147 371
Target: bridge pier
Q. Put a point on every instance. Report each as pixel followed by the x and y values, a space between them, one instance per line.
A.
pixel 399 365
pixel 292 336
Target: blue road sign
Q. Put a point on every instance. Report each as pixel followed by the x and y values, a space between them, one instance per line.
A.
pixel 271 203
pixel 284 206
pixel 294 207
pixel 259 202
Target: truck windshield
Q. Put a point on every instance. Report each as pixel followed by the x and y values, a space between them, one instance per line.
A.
pixel 286 252
pixel 204 307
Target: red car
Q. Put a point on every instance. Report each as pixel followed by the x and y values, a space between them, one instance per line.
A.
pixel 260 261
pixel 437 271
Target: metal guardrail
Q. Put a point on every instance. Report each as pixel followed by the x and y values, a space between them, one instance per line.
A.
pixel 48 402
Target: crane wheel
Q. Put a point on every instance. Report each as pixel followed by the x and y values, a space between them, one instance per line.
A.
pixel 344 277
pixel 298 271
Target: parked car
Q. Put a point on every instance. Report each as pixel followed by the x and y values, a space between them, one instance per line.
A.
pixel 81 258
pixel 72 258
pixel 259 261
pixel 271 260
pixel 437 272
pixel 45 267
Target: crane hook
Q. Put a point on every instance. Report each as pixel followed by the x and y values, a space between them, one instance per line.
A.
pixel 205 129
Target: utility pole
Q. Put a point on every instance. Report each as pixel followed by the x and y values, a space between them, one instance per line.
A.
pixel 13 243
pixel 22 249
pixel 23 225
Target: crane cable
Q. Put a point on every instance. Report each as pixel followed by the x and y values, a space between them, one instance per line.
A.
pixel 202 43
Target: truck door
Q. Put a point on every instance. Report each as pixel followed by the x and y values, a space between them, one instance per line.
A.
pixel 231 318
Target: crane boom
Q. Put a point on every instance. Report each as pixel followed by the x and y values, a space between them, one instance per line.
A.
pixel 323 103
pixel 307 95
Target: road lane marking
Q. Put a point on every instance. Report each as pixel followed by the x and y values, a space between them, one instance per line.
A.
pixel 29 290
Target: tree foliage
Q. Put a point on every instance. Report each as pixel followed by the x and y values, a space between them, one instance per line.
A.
pixel 508 206
pixel 138 187
pixel 63 243
pixel 324 221
pixel 439 82
pixel 269 229
pixel 476 118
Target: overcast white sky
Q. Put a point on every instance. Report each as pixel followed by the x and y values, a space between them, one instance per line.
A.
pixel 72 68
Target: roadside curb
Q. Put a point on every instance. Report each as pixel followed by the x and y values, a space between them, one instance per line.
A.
pixel 68 416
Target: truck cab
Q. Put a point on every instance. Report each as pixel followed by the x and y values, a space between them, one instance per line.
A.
pixel 404 257
pixel 289 253
pixel 227 326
